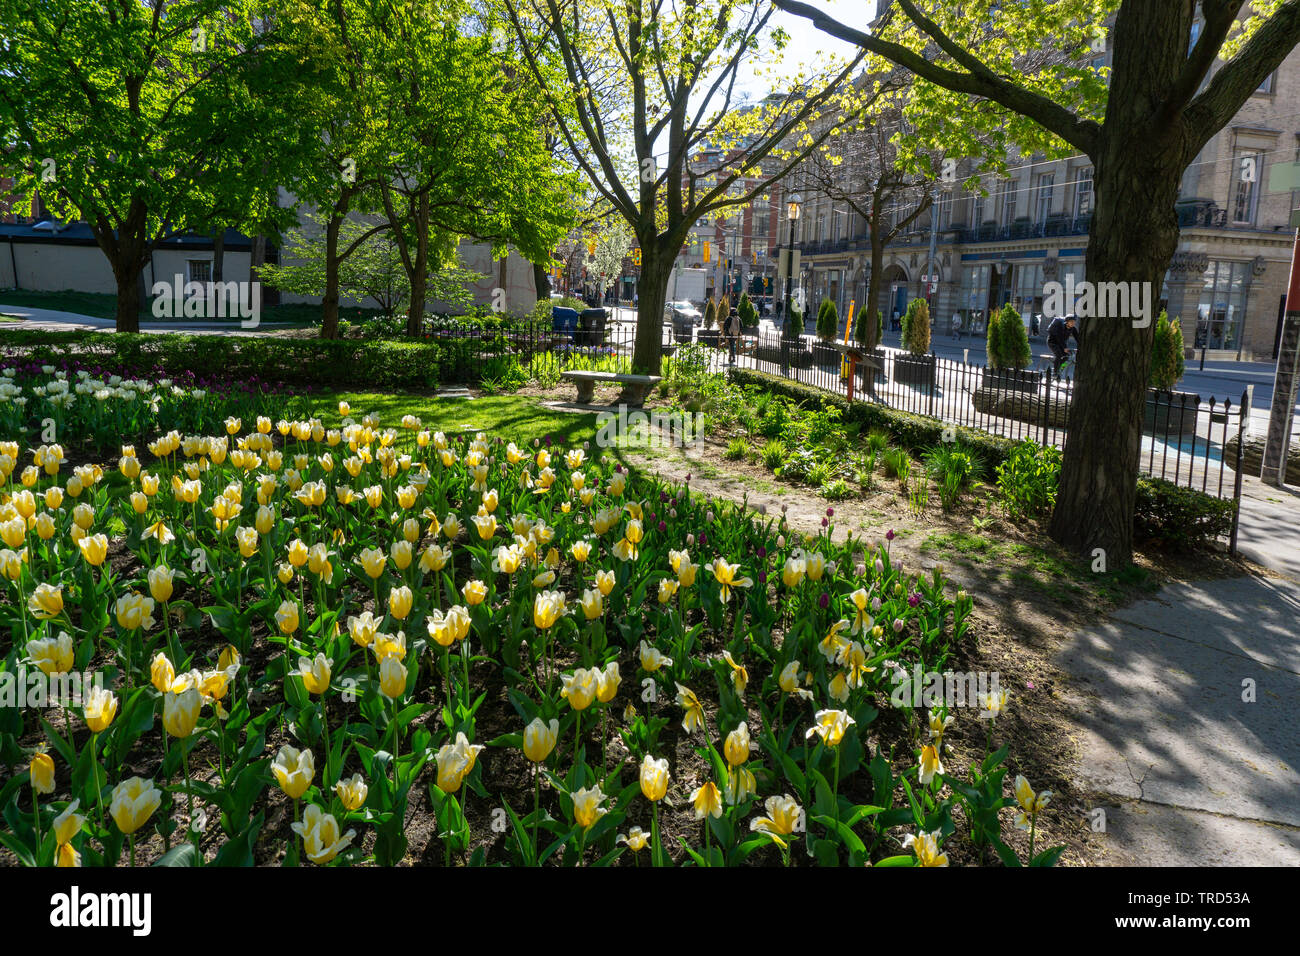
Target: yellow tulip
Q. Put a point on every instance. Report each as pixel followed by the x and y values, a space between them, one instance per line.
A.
pixel 286 617
pixel 434 558
pixel 654 778
pixel 926 847
pixel 94 548
pixel 99 709
pixel 352 792
pixel 593 605
pixel 372 562
pixel 707 801
pixel 587 807
pixel 134 801
pixel 455 761
pixel 607 682
pixel 41 770
pixel 402 553
pixel 160 583
pixel 11 563
pixel 739 674
pixel 792 572
pixel 134 611
pixel 831 726
pixel 181 710
pixel 474 591
pixel 580 687
pixel 693 718
pixel 651 659
pixel 294 770
pixel 539 739
pixel 321 839
pixel 392 677
pixel 667 589
pixel 13 531
pixel 53 655
pixel 635 838
pixel 548 607
pixel 736 746
pixel 315 673
pixel 161 673
pixel 46 602
pixel 363 629
pixel 68 824
pixel 725 575
pixel 782 818
pixel 53 497
pixel 298 552
pixel 400 601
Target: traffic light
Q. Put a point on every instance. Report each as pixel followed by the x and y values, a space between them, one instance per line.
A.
pixel 636 258
pixel 753 258
pixel 591 248
pixel 708 251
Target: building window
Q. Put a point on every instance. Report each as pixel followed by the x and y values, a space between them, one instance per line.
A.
pixel 1222 306
pixel 200 270
pixel 1008 190
pixel 1043 203
pixel 1267 85
pixel 977 216
pixel 1083 194
pixel 1248 169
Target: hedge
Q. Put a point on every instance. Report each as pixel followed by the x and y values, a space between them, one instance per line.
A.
pixel 374 363
pixel 1164 513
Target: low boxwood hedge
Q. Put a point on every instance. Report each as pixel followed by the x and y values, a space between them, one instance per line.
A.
pixel 1165 514
pixel 375 363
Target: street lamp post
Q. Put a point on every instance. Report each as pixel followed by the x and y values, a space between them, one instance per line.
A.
pixel 787 329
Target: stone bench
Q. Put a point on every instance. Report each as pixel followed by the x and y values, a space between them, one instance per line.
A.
pixel 635 387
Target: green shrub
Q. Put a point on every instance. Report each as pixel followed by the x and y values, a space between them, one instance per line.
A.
pixel 773 454
pixel 916 327
pixel 1028 479
pixel 836 490
pixel 955 459
pixel 1167 361
pixel 748 314
pixel 316 362
pixel 866 334
pixel 710 314
pixel 1164 512
pixel 737 449
pixel 1013 339
pixel 993 341
pixel 828 320
pixel 1177 517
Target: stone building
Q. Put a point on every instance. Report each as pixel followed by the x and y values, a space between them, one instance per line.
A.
pixel 1227 281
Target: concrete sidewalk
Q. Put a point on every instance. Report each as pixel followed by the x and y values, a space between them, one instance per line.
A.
pixel 1189 707
pixel 51 319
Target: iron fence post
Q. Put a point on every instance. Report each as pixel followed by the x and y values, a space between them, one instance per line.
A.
pixel 1243 411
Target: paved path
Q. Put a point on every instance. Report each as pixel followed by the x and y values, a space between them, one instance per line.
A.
pixel 34 318
pixel 1189 706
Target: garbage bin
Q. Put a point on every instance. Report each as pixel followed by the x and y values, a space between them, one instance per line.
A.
pixel 591 327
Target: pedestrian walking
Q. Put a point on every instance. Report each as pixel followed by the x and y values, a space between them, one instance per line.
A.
pixel 1058 334
pixel 732 331
pixel 956 325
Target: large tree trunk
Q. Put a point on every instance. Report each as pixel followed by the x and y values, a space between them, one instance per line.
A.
pixel 541 282
pixel 219 255
pixel 652 293
pixel 1133 237
pixel 127 272
pixel 419 274
pixel 329 328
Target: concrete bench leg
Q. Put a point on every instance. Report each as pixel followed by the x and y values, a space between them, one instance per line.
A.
pixel 586 391
pixel 634 394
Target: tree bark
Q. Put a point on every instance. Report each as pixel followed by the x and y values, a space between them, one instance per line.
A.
pixel 541 282
pixel 329 328
pixel 219 255
pixel 1133 237
pixel 419 272
pixel 652 293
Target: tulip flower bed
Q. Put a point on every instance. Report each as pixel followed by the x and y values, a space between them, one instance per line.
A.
pixel 320 642
pixel 94 409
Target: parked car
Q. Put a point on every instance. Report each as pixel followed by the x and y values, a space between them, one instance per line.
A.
pixel 683 317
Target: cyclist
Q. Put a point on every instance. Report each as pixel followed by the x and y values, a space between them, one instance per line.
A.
pixel 1058 334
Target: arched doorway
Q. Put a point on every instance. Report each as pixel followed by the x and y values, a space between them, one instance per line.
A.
pixel 893 294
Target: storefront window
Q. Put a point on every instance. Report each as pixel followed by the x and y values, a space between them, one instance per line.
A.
pixel 1222 306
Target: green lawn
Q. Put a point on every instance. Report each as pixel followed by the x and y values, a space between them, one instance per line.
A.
pixel 512 417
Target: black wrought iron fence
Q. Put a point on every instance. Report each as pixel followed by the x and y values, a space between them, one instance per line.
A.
pixel 1184 436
